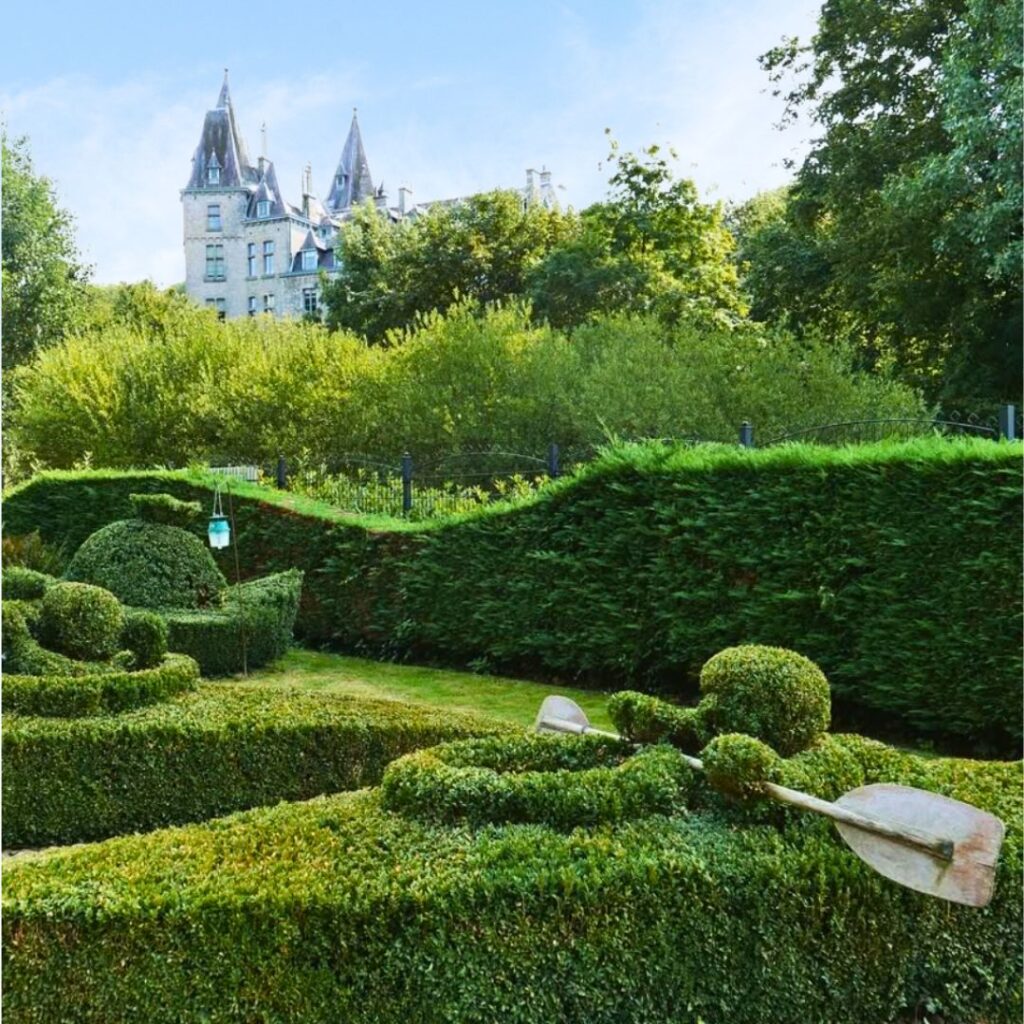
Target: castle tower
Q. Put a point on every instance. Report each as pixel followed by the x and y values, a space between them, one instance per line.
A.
pixel 352 183
pixel 215 203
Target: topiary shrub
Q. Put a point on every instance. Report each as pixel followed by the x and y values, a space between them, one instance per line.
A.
pixel 81 621
pixel 144 634
pixel 739 765
pixel 149 565
pixel 642 718
pixel 541 779
pixel 778 696
pixel 21 584
pixel 166 509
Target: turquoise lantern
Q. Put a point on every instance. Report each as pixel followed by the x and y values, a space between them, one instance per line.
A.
pixel 219 530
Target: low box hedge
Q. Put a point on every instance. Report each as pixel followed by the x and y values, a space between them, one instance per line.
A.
pixel 85 695
pixel 337 910
pixel 221 749
pixel 253 627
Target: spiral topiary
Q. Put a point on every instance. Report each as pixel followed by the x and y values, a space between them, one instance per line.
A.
pixel 149 565
pixel 777 695
pixel 81 621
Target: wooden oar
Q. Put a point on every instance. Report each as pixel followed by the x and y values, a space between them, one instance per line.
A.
pixel 921 840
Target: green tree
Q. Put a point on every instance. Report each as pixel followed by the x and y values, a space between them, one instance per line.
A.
pixel 43 277
pixel 911 194
pixel 651 246
pixel 481 249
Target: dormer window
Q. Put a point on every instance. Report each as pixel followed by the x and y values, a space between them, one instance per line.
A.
pixel 213 175
pixel 263 208
pixel 309 259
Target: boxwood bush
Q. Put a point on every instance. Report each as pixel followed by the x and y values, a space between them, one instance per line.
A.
pixel 201 754
pixel 81 621
pixel 21 584
pixel 336 909
pixel 61 696
pixel 881 562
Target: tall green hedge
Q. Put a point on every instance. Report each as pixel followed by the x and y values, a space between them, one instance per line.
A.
pixel 336 910
pixel 895 567
pixel 201 754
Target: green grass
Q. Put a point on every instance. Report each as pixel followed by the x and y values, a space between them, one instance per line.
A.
pixel 511 700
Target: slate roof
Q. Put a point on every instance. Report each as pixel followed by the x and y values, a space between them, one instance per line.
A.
pixel 352 182
pixel 221 145
pixel 268 189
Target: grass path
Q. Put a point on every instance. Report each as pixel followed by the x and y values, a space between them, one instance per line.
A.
pixel 512 700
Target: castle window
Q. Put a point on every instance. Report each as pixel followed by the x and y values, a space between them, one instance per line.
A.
pixel 310 301
pixel 268 303
pixel 213 175
pixel 251 258
pixel 268 257
pixel 213 217
pixel 215 262
pixel 252 305
pixel 263 208
pixel 218 304
pixel 309 259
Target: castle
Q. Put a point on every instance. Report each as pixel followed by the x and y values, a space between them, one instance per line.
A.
pixel 248 250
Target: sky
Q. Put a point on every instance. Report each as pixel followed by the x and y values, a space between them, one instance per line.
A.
pixel 453 97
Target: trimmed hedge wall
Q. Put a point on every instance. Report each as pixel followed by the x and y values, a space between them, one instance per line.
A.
pixel 252 628
pixel 338 910
pixel 224 748
pixel 895 567
pixel 85 695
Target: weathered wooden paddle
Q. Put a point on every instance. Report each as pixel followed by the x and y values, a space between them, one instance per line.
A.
pixel 921 840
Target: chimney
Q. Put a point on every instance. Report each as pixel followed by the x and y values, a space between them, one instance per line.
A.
pixel 307 189
pixel 403 191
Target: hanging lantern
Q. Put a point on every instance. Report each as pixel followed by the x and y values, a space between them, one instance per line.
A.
pixel 219 530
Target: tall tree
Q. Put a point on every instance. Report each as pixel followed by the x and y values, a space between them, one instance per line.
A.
pixel 44 279
pixel 911 194
pixel 651 246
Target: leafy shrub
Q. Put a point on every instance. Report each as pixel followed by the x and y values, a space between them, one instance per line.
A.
pixel 149 565
pixel 28 551
pixel 24 584
pixel 61 696
pixel 778 696
pixel 82 621
pixel 252 628
pixel 199 755
pixel 166 509
pixel 738 765
pixel 642 718
pixel 144 634
pixel 535 779
pixel 336 909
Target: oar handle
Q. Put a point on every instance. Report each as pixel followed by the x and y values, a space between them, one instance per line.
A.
pixel 905 834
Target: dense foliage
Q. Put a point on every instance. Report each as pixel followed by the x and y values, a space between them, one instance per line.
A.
pixel 472 379
pixel 904 228
pixel 145 635
pixel 81 621
pixel 636 571
pixel 338 909
pixel 198 755
pixel 149 565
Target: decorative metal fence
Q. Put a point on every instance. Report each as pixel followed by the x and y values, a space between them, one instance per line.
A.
pixel 422 487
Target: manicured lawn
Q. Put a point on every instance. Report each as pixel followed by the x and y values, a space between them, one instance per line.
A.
pixel 513 700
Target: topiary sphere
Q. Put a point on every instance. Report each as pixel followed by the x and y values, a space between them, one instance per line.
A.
pixel 779 696
pixel 81 621
pixel 149 565
pixel 145 636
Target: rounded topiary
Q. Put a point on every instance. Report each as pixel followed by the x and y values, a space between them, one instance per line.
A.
pixel 81 621
pixel 149 565
pixel 166 509
pixel 145 635
pixel 21 584
pixel 739 765
pixel 540 779
pixel 777 695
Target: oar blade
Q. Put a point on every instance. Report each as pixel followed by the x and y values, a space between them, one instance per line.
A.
pixel 977 837
pixel 556 709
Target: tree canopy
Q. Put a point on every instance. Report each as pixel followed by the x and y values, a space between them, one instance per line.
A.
pixel 44 279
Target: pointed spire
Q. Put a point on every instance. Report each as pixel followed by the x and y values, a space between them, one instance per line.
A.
pixel 224 99
pixel 352 182
pixel 221 160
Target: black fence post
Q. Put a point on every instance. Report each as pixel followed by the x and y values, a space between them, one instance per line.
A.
pixel 406 483
pixel 282 473
pixel 1008 422
pixel 553 469
pixel 746 435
